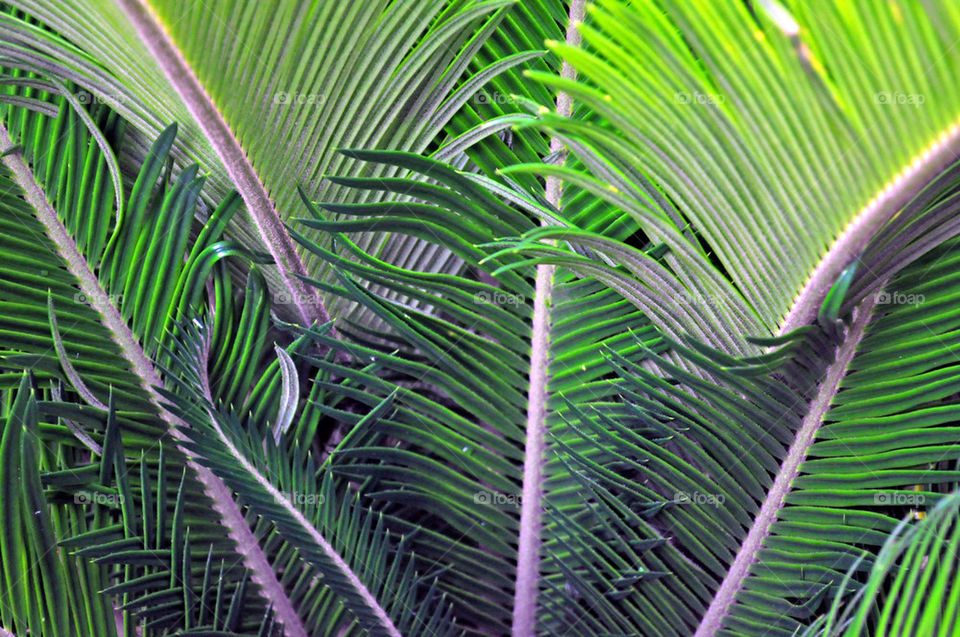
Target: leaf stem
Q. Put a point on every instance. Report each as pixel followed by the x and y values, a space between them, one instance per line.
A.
pixel 872 217
pixel 223 502
pixel 262 211
pixel 528 553
pixel 740 568
pixel 308 530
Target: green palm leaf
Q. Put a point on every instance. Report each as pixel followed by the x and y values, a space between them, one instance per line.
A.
pixel 917 564
pixel 772 148
pixel 728 471
pixel 734 592
pixel 700 380
pixel 288 102
pixel 85 291
pixel 347 545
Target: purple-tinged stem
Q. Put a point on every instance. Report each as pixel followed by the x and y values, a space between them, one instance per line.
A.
pixel 733 582
pixel 531 511
pixel 241 171
pixel 223 502
pixel 871 218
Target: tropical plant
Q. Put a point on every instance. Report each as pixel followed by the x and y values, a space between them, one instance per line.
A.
pixel 374 318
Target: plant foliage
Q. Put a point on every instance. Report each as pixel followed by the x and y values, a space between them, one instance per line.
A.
pixel 377 318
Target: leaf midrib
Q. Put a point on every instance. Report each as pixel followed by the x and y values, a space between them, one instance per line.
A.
pixel 897 193
pixel 819 406
pixel 224 504
pixel 531 524
pixel 310 530
pixel 241 171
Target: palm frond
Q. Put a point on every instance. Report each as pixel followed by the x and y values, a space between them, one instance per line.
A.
pixel 104 294
pixel 911 587
pixel 331 531
pixel 276 120
pixel 694 377
pixel 739 119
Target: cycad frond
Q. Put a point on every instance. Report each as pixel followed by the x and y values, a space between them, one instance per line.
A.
pixel 302 80
pixel 350 546
pixel 911 588
pixel 123 288
pixel 773 144
pixel 700 380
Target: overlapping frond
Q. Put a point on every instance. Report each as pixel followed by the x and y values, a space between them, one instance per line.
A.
pixel 787 141
pixel 90 316
pixel 726 450
pixel 473 348
pixel 912 585
pixel 779 477
pixel 739 170
pixel 302 80
pixel 350 549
